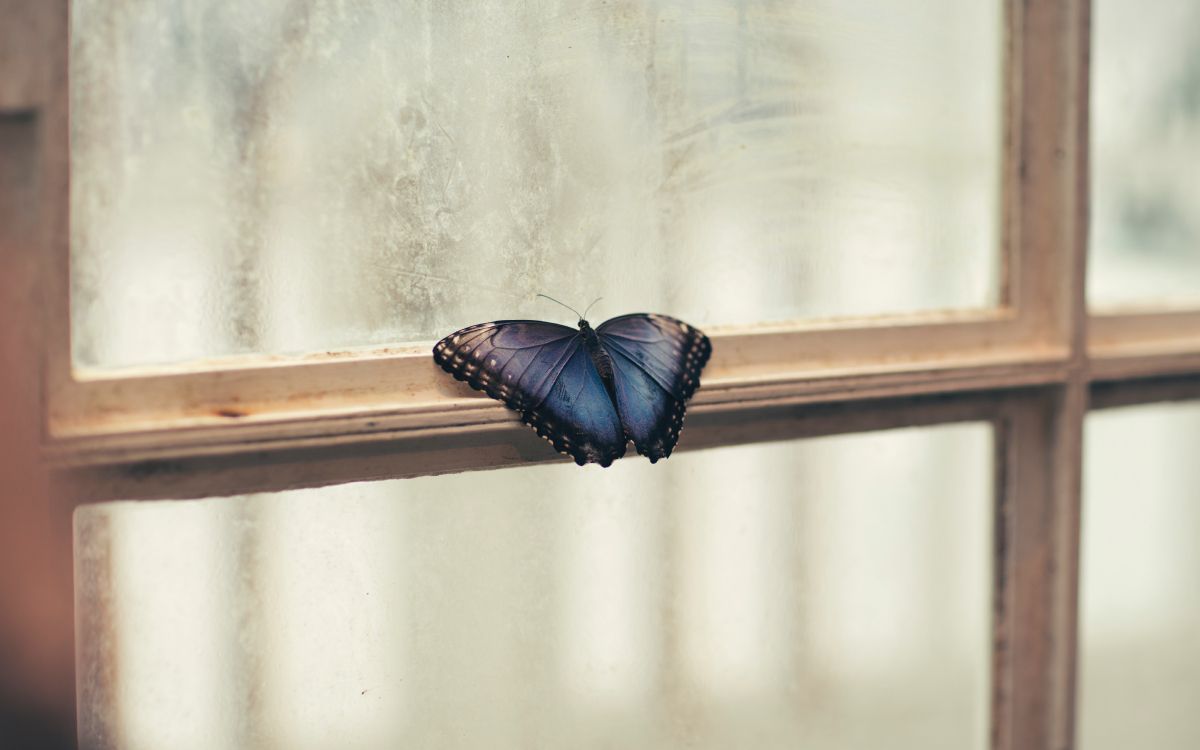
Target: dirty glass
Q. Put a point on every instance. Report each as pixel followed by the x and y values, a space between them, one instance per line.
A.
pixel 1139 682
pixel 1145 206
pixel 303 175
pixel 767 596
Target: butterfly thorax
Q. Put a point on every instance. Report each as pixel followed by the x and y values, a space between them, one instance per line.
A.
pixel 600 358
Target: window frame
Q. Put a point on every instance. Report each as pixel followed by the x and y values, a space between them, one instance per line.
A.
pixel 271 403
pixel 1029 366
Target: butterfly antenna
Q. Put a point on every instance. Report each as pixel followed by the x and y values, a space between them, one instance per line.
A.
pixel 547 296
pixel 589 307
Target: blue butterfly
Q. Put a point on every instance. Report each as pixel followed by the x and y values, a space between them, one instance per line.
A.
pixel 589 391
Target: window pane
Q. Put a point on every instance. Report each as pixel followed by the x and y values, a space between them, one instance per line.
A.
pixel 830 593
pixel 1140 600
pixel 285 176
pixel 1145 215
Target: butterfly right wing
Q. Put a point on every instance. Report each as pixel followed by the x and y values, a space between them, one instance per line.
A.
pixel 656 368
pixel 542 371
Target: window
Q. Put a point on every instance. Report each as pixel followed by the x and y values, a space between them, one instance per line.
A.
pixel 891 265
pixel 1138 612
pixel 766 590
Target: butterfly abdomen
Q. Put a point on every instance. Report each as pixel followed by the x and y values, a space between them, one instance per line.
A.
pixel 600 358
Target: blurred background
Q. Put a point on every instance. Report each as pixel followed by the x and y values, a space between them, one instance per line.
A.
pixel 36 625
pixel 302 175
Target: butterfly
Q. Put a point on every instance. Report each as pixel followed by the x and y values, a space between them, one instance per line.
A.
pixel 588 391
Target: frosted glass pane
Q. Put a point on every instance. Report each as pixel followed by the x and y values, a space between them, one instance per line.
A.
pixel 829 593
pixel 284 176
pixel 1140 588
pixel 1145 210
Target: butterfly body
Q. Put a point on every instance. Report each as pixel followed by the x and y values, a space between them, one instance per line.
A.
pixel 589 392
pixel 600 358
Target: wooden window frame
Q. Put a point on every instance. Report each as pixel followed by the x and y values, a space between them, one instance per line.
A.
pixel 1029 367
pixel 396 395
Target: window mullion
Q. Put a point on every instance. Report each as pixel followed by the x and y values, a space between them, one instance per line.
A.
pixel 1037 571
pixel 1040 479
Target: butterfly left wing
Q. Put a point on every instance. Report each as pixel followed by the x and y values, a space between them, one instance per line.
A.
pixel 542 371
pixel 656 368
pixel 577 416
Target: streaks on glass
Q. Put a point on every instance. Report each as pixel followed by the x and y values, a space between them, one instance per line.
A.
pixel 773 595
pixel 299 175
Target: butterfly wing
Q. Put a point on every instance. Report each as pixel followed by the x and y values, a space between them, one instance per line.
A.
pixel 542 371
pixel 656 368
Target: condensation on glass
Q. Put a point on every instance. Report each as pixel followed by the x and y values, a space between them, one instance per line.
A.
pixel 830 593
pixel 303 175
pixel 1139 680
pixel 1145 128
